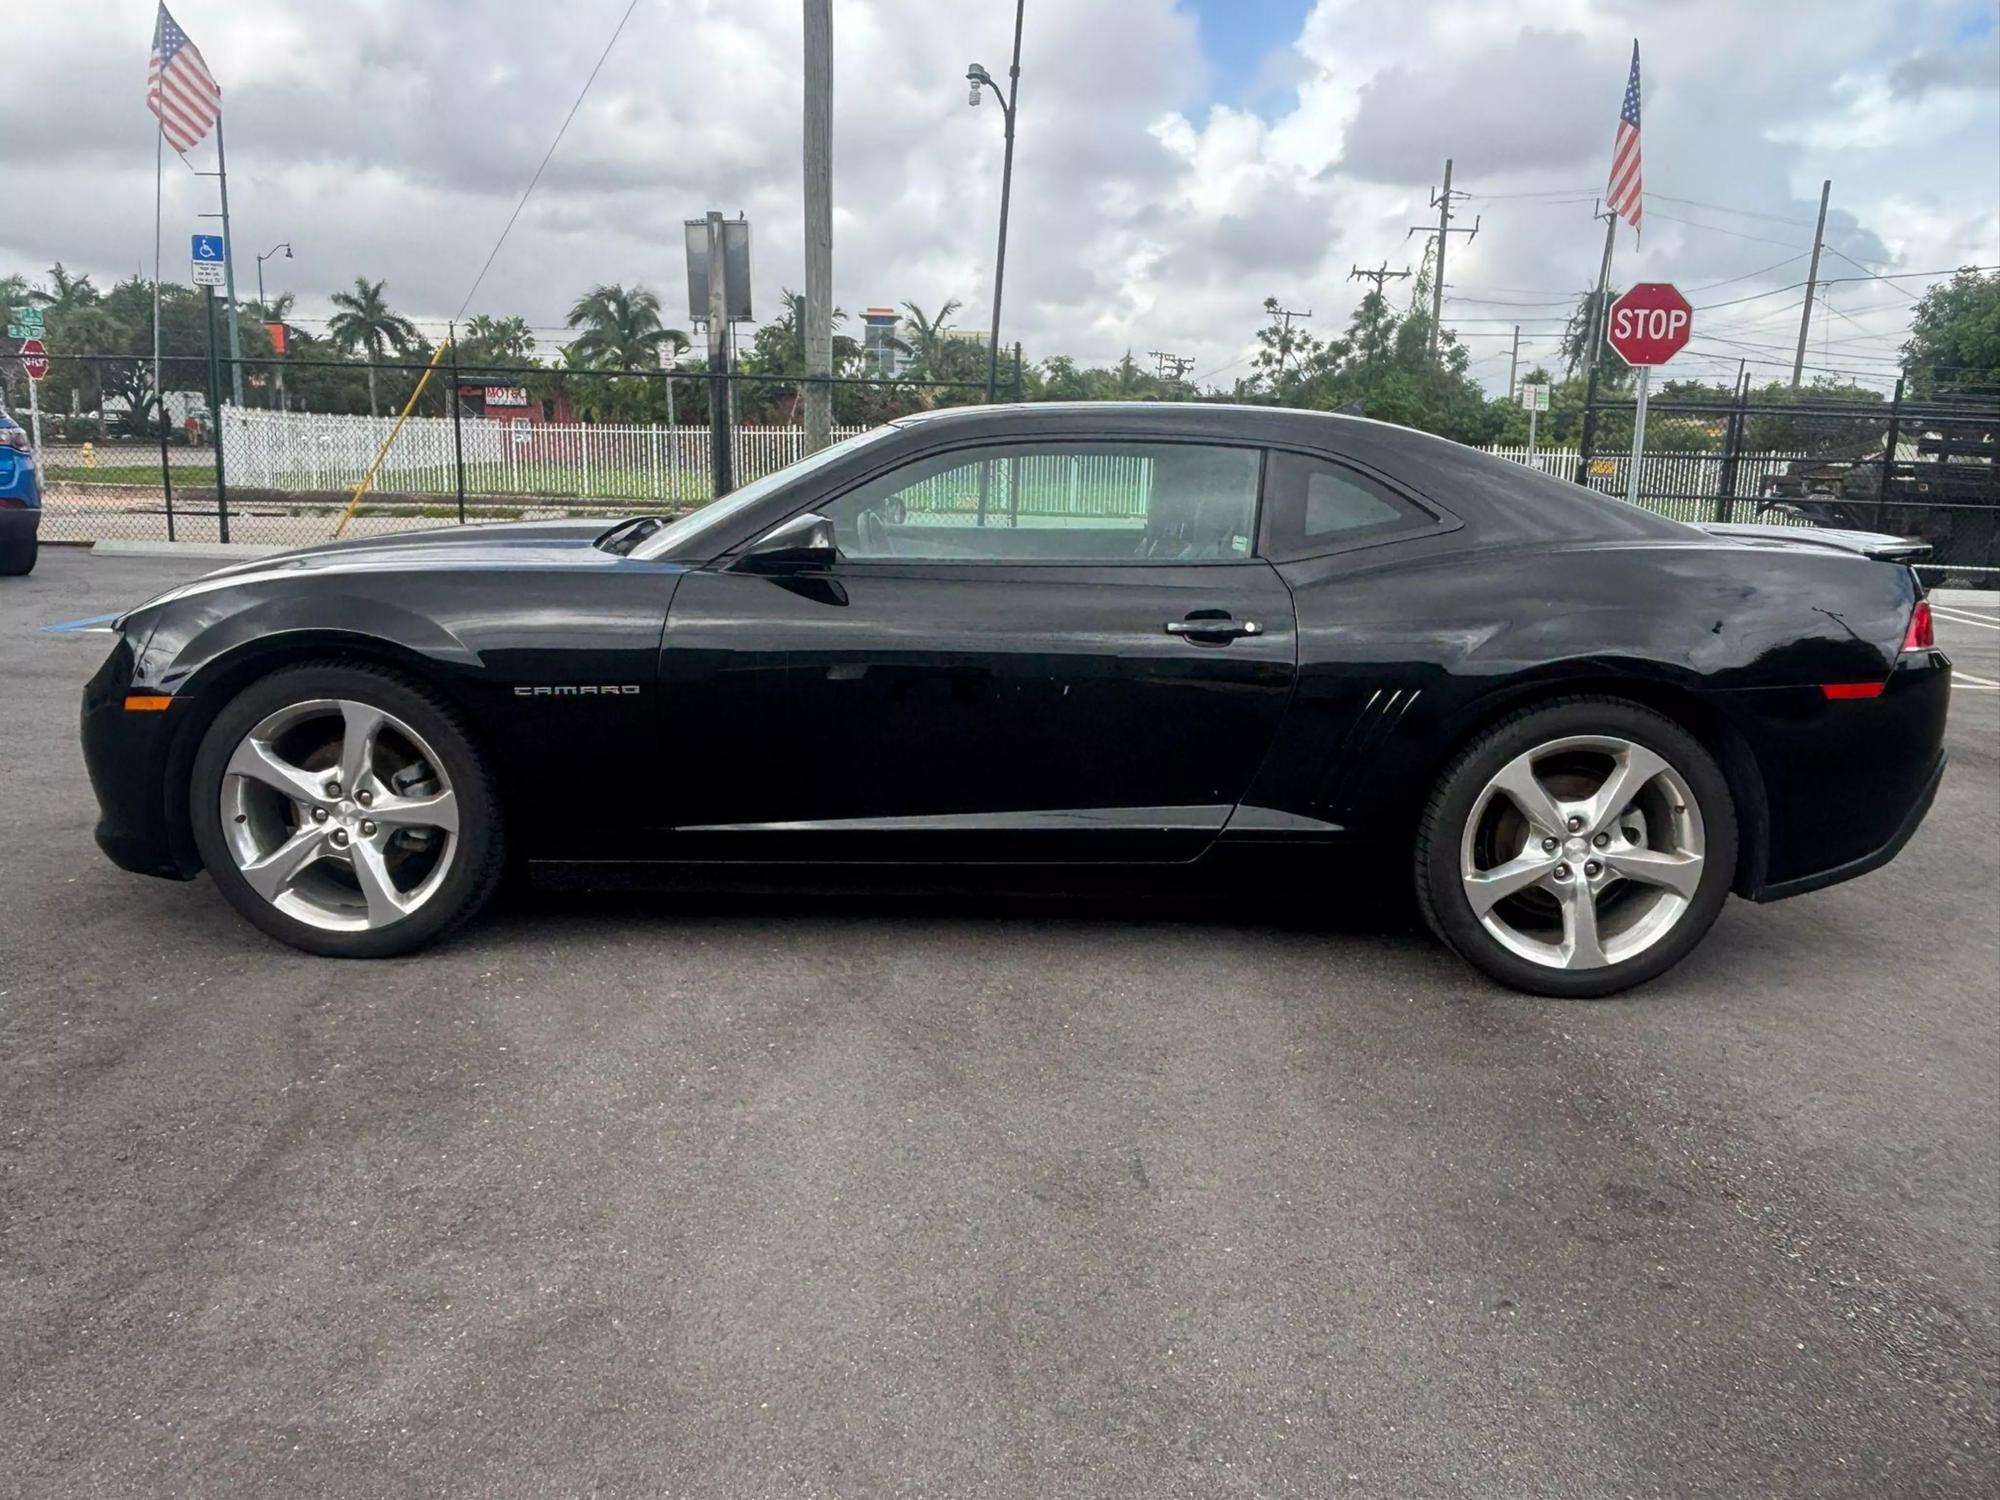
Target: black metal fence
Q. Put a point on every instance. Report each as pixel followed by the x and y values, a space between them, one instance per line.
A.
pixel 456 443
pixel 401 445
pixel 1915 466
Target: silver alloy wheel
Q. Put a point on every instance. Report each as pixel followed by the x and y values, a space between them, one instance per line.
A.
pixel 1582 852
pixel 339 814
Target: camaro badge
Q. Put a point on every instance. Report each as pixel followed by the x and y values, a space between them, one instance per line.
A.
pixel 578 690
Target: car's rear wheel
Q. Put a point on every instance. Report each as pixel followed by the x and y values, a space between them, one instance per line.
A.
pixel 17 558
pixel 345 809
pixel 1578 848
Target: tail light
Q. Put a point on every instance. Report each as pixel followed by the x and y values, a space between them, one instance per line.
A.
pixel 1920 636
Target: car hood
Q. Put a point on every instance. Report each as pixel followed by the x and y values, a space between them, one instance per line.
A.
pixel 505 544
pixel 522 544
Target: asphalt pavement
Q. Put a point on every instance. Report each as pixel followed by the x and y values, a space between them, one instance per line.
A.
pixel 864 1197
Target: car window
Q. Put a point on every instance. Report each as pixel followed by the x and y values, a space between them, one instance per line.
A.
pixel 1314 506
pixel 1057 502
pixel 1338 501
pixel 693 535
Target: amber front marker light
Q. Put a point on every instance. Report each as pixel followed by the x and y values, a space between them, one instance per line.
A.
pixel 146 703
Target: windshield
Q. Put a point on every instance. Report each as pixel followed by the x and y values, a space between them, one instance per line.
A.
pixel 686 537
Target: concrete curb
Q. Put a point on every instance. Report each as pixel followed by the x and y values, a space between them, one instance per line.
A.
pixel 239 551
pixel 1967 598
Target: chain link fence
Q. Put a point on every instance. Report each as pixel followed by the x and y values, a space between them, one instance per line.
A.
pixel 528 443
pixel 492 445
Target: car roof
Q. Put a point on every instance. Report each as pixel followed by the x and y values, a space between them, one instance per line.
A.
pixel 1499 500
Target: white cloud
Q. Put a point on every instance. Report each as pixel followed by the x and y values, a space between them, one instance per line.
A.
pixel 1146 215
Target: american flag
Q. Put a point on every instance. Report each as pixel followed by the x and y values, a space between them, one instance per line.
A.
pixel 1623 195
pixel 178 86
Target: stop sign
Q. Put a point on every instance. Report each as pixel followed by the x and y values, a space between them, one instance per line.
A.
pixel 1650 324
pixel 34 359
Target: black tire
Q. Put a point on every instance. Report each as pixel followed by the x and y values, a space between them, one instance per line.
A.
pixel 478 860
pixel 17 558
pixel 1441 892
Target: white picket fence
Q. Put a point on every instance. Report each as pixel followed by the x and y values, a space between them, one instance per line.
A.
pixel 304 452
pixel 308 452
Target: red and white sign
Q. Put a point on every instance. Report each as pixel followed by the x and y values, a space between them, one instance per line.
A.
pixel 506 395
pixel 1650 324
pixel 35 358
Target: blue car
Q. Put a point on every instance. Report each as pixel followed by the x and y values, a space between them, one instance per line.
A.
pixel 20 499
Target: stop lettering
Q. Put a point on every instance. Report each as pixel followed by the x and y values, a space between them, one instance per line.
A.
pixel 1649 324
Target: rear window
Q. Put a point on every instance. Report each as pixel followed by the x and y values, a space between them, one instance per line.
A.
pixel 1314 506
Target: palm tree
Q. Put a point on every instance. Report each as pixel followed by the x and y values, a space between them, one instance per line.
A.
pixel 70 292
pixel 621 328
pixel 930 333
pixel 276 310
pixel 15 291
pixel 499 340
pixel 365 322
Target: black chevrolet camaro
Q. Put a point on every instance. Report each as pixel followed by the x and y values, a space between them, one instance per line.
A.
pixel 1021 642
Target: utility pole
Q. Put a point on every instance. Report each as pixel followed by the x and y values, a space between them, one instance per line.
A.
pixel 1378 276
pixel 819 222
pixel 1170 367
pixel 1514 364
pixel 1593 335
pixel 1441 201
pixel 1285 338
pixel 1812 284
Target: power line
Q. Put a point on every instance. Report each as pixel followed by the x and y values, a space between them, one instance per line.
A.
pixel 1723 208
pixel 616 31
pixel 1872 276
pixel 1497 302
pixel 1762 239
pixel 1747 275
pixel 1586 192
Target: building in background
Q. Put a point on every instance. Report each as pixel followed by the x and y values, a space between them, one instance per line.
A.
pixel 885 352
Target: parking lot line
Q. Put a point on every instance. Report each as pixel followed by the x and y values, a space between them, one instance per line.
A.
pixel 1984 622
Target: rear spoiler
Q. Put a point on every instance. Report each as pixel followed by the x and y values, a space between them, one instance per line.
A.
pixel 1874 544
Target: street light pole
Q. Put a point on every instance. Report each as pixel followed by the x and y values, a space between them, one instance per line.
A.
pixel 977 75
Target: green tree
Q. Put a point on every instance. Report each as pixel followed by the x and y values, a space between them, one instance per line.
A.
pixel 1954 344
pixel 1286 356
pixel 497 341
pixel 1586 316
pixel 66 291
pixel 931 337
pixel 621 328
pixel 364 322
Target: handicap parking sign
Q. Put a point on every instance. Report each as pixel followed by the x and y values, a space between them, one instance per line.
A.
pixel 207 247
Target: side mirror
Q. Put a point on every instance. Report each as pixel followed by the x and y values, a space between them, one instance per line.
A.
pixel 805 541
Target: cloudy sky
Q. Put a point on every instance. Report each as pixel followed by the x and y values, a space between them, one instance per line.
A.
pixel 1179 160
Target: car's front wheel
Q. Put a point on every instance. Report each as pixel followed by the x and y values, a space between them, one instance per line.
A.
pixel 345 809
pixel 17 558
pixel 1577 848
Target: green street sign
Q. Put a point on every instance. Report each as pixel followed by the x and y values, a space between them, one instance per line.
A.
pixel 18 330
pixel 28 317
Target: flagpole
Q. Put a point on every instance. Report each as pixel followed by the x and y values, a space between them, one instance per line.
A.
pixel 159 143
pixel 229 268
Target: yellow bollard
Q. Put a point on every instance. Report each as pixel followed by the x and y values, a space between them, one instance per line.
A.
pixel 90 455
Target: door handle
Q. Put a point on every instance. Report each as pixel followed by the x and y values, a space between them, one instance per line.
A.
pixel 1227 629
